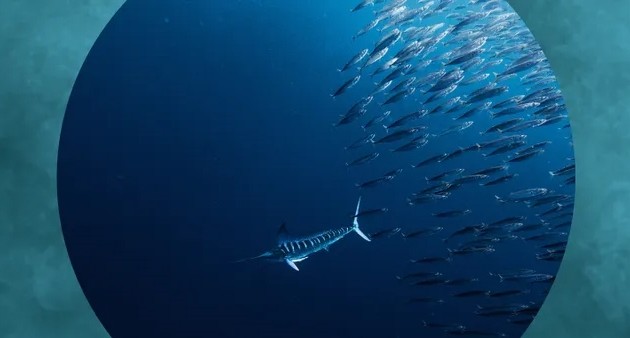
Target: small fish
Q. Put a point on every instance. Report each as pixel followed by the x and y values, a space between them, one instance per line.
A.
pixel 425 198
pixel 452 213
pixel 399 96
pixel 372 183
pixel 453 154
pixel 492 170
pixel 346 85
pixel 377 120
pixel 506 148
pixel 431 160
pixel 407 118
pixel 420 274
pixel 457 128
pixel 355 59
pixel 384 233
pixel 362 5
pixel 366 28
pixel 432 260
pixel 399 135
pixel 487 94
pixel 460 281
pixel 369 212
pixel 441 176
pixel 423 232
pixel 507 220
pixel 507 293
pixel 568 169
pixel 363 159
pixel 524 195
pixel 526 156
pixel 470 293
pixel 469 178
pixel 545 236
pixel 499 180
pixel 430 281
pixel 472 249
pixel 376 57
pixel 368 139
pixel 508 102
pixel 414 144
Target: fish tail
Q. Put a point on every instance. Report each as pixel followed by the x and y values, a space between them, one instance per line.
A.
pixel 355 223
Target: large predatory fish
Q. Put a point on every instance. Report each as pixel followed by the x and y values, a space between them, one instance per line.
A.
pixel 293 250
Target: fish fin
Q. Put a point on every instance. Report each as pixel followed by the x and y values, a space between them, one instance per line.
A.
pixel 292 264
pixel 282 234
pixel 355 223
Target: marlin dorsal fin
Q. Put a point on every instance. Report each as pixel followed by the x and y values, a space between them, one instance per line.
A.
pixel 283 234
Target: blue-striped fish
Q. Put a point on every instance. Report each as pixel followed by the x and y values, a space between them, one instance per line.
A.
pixel 292 250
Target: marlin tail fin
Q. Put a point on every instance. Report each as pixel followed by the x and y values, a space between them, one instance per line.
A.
pixel 355 223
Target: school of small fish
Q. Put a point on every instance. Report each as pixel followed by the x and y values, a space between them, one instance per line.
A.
pixel 468 69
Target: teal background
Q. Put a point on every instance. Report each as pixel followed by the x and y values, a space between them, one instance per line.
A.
pixel 44 42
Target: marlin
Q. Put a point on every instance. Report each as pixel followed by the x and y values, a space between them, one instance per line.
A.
pixel 292 250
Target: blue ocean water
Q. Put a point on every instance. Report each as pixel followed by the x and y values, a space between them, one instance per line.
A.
pixel 196 128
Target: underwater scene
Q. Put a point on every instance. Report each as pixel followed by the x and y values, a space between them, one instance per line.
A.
pixel 319 168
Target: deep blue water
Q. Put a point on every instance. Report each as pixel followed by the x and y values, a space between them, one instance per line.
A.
pixel 196 128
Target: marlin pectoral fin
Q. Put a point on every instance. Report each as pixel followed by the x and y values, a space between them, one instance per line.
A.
pixel 292 264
